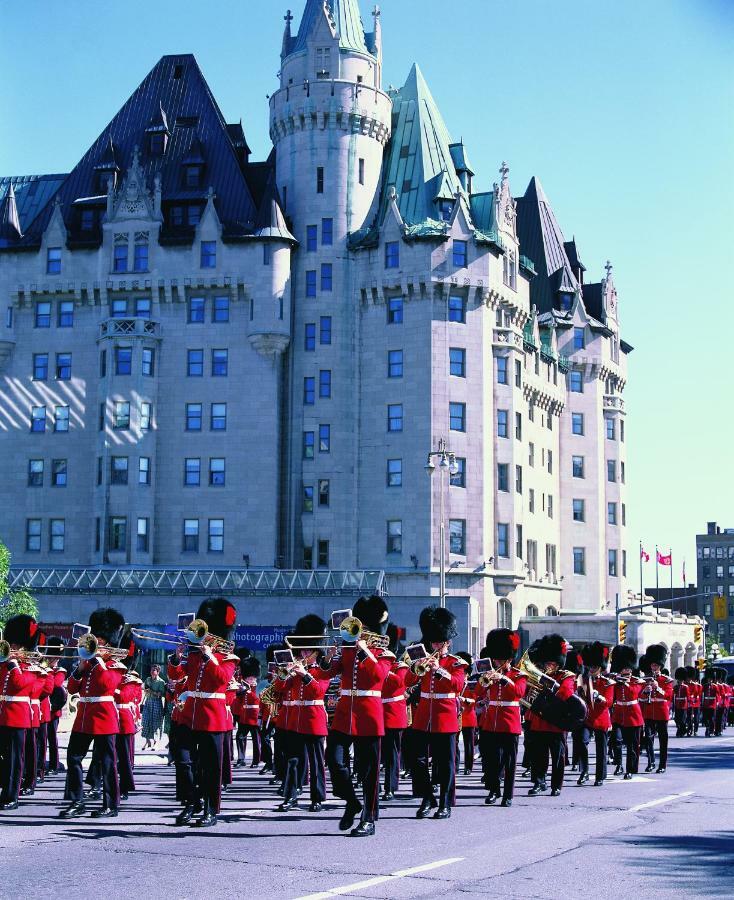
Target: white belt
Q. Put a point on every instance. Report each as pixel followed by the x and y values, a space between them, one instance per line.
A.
pixel 658 700
pixel 202 695
pixel 345 693
pixel 626 703
pixel 393 699
pixel 96 700
pixel 125 705
pixel 6 698
pixel 437 696
pixel 35 702
pixel 303 703
pixel 251 706
pixel 503 702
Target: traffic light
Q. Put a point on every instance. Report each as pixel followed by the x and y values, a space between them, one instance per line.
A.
pixel 622 631
pixel 701 663
pixel 698 634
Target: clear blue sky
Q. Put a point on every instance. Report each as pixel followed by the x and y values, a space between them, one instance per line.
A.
pixel 623 108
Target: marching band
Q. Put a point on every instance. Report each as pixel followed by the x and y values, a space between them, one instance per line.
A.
pixel 351 700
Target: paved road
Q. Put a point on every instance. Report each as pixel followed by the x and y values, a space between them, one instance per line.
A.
pixel 656 836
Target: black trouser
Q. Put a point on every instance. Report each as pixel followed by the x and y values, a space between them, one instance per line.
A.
pixel 467 734
pixel 30 760
pixel 681 722
pixel 544 743
pixel 600 742
pixel 41 749
pixel 440 747
pixel 125 747
pixel 719 719
pixel 499 760
pixel 367 760
pixel 179 747
pixel 279 753
pixel 709 717
pixel 527 746
pixel 106 753
pixel 304 753
pixel 227 751
pixel 199 758
pixel 53 745
pixel 652 728
pixel 242 733
pixel 629 736
pixel 696 716
pixel 689 721
pixel 407 750
pixel 266 746
pixel 391 744
pixel 12 752
pixel 577 740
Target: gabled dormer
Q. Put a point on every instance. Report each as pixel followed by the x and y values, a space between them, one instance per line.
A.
pixel 106 170
pixel 462 165
pixel 10 231
pixel 157 133
pixel 193 166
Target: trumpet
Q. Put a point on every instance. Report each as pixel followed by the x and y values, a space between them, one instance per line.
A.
pixel 198 633
pixel 352 630
pixel 91 645
pixel 423 667
pixel 4 650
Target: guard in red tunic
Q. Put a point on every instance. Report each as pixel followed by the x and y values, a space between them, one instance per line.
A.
pixel 655 700
pixel 499 693
pixel 467 717
pixel 16 685
pixel 694 700
pixel 97 723
pixel 598 692
pixel 720 676
pixel 681 701
pixel 128 698
pixel 246 710
pixel 395 712
pixel 436 720
pixel 549 654
pixel 204 718
pixel 40 692
pixel 359 718
pixel 627 721
pixel 57 702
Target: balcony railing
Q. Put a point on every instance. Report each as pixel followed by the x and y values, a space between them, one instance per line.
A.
pixel 130 327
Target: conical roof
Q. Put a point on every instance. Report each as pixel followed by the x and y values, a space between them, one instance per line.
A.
pixel 344 16
pixel 270 221
pixel 9 220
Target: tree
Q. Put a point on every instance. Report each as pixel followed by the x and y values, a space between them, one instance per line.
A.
pixel 13 603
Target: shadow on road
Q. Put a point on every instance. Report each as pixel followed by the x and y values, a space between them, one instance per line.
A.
pixel 691 862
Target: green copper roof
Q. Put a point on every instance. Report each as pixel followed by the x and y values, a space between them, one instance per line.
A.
pixel 420 166
pixel 344 16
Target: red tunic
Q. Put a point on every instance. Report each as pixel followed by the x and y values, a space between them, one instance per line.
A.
pixel 205 691
pixel 598 717
pixel 681 695
pixel 566 688
pixel 626 710
pixel 501 701
pixel 469 704
pixel 248 707
pixel 305 710
pixel 96 685
pixel 359 708
pixel 59 682
pixel 695 692
pixel 16 685
pixel 41 689
pixel 655 704
pixel 438 707
pixel 127 699
pixel 394 708
pixel 710 696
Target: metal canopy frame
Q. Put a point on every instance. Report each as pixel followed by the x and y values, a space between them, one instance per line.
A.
pixel 232 582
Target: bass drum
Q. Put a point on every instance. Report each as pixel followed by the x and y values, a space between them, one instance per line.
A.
pixel 564 714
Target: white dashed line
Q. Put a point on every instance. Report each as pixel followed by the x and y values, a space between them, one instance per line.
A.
pixel 669 799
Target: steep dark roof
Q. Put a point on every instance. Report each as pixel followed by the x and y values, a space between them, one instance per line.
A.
pixel 32 193
pixel 270 222
pixel 594 301
pixel 174 96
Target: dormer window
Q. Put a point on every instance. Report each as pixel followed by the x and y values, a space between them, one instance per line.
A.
pixel 192 176
pixel 509 269
pixel 445 209
pixel 323 62
pixel 157 143
pixel 103 179
pixel 87 220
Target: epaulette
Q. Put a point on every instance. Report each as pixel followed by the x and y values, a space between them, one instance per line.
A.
pixel 457 659
pixel 562 674
pixel 387 654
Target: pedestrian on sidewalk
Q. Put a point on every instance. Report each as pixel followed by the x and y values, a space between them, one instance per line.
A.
pixel 152 718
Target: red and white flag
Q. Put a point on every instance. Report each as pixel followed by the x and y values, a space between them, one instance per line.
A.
pixel 665 560
pixel 684 573
pixel 644 555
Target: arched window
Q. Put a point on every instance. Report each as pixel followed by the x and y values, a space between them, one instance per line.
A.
pixel 551 611
pixel 504 613
pixel 531 612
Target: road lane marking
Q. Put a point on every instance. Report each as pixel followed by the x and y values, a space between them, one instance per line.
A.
pixel 381 879
pixel 669 799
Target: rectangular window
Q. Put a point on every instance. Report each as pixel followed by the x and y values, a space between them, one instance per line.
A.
pixel 610 429
pixel 312 238
pixel 518 373
pixel 217 473
pixel 326 276
pixel 65 314
pixel 118 471
pixel 190 536
pixel 309 342
pixel 624 522
pixel 577 466
pixel 35 473
pixel 220 363
pixel 103 364
pixel 144 470
pixel 395 417
pixel 216 536
pixel 197 310
pixel 611 470
pixel 395 311
pixel 193 417
pixel 576 382
pixel 457 362
pixel 360 168
pixel 502 369
pixel 460 254
pixel 308 498
pixel 550 506
pixel 531 500
pixel 118 308
pixel 194 363
pixel 324 438
pixel 142 307
pixel 56 535
pixel 458 478
pixel 120 258
pixel 218 420
pixel 621 429
pixel 146 415
pixel 579 513
pixel 53 260
pixel 118 533
pixel 220 309
pixel 579 338
pixel 192 472
pixel 9 317
pixel 148 367
pixel 392 255
pixel 208 254
pixel 123 360
pixel 394 363
pixel 141 537
pixel 327 232
pixel 579 561
pixel 394 536
pixel 457 416
pixel 503 540
pixel 518 479
pixel 549 458
pixel 394 473
pixel 624 575
pixel 40 366
pixel 457 536
pixel 577 423
pixel 612 513
pixel 319 179
pixel 323 492
pixel 503 477
pixel 502 423
pixel 308 444
pixel 311 283
pixel 325 330
pixel 621 472
pixel 323 554
pixel 43 314
pixel 457 309
pixel 33 535
pixel 309 391
pixel 308 558
pixel 531 454
pixel 140 263
pixel 325 383
pixel 61 418
pixel 612 563
pixel 518 426
pixel 518 541
pixel 38 419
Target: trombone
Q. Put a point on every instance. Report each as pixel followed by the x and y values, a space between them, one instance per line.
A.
pixel 351 630
pixel 92 646
pixel 157 637
pixel 199 634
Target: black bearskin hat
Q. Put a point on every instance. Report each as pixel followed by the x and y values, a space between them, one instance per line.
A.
pixel 219 614
pixel 595 654
pixel 107 624
pixel 574 661
pixel 644 664
pixel 243 653
pixel 372 612
pixel 437 624
pixel 462 654
pixel 484 653
pixel 393 633
pixel 623 657
pixel 692 673
pixel 306 628
pixel 681 673
pixel 550 648
pixel 23 631
pixel 502 643
pixel 55 642
pixel 250 667
pixel 657 653
pixel 708 675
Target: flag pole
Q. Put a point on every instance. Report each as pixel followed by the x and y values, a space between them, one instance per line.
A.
pixel 671 580
pixel 642 597
pixel 657 574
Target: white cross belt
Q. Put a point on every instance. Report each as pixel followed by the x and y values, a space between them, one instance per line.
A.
pixel 97 699
pixel 346 693
pixel 437 696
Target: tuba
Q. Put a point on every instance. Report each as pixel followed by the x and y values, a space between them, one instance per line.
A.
pixel 540 698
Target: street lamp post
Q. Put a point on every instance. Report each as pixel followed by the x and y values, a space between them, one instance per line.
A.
pixel 446 461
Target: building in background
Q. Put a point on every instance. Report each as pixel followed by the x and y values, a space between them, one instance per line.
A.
pixel 715 567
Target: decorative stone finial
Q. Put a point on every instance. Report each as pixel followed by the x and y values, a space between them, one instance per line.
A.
pixel 608 268
pixel 376 12
pixel 504 170
pixel 288 18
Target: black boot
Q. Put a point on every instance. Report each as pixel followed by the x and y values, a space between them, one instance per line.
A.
pixel 443 812
pixel 107 812
pixel 73 811
pixel 364 829
pixel 427 804
pixel 538 788
pixel 350 814
pixel 628 776
pixel 288 804
pixel 618 770
pixel 10 805
pixel 491 798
